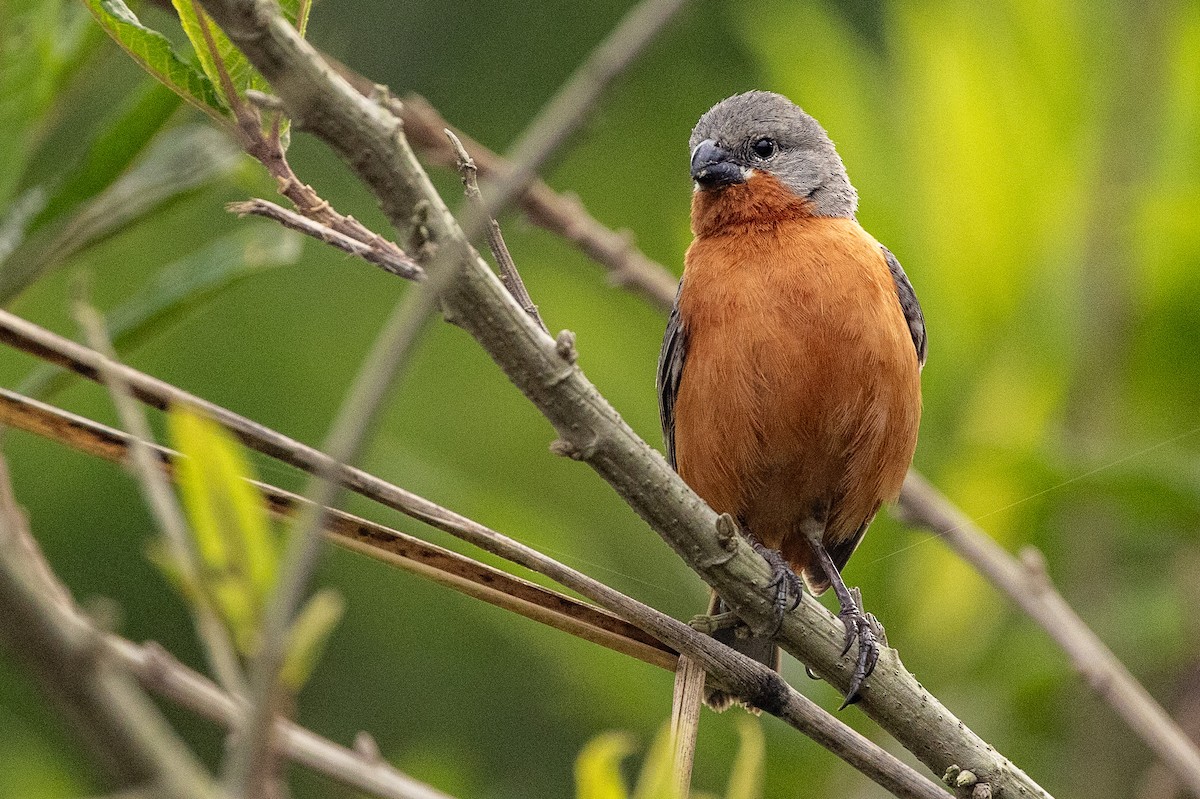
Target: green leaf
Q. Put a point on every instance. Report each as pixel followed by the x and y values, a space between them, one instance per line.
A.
pixel 656 780
pixel 598 768
pixel 158 57
pixel 179 288
pixel 238 551
pixel 308 636
pixel 185 159
pixel 41 45
pixel 220 54
pixel 746 776
pixel 112 151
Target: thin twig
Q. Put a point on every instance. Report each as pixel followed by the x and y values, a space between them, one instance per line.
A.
pixel 749 681
pixel 131 739
pixel 385 544
pixel 249 759
pixel 388 259
pixel 509 276
pixel 562 214
pixel 214 636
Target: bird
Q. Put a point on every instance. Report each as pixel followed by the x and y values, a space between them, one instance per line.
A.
pixel 789 377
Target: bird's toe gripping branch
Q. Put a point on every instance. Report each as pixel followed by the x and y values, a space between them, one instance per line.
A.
pixel 869 632
pixel 789 590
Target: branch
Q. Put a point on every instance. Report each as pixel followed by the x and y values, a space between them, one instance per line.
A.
pixel 742 677
pixel 395 548
pixel 44 629
pixel 269 151
pixel 920 504
pixel 369 141
pixel 509 276
pixel 561 214
pixel 386 258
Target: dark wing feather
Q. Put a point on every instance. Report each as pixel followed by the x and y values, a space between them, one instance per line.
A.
pixel 840 552
pixel 670 369
pixel 909 304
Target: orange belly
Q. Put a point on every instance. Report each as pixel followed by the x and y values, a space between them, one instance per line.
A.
pixel 800 393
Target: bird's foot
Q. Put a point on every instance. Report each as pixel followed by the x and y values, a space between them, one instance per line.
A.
pixel 788 588
pixel 869 632
pixel 710 623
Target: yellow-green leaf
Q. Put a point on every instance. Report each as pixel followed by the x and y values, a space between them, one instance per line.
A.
pixel 308 635
pixel 156 55
pixel 598 767
pixel 238 551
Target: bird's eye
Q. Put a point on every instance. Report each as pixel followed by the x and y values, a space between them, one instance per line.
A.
pixel 763 148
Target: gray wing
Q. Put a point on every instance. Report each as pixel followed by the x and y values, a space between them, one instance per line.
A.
pixel 670 369
pixel 908 304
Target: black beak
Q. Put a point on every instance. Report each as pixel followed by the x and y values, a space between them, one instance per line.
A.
pixel 713 167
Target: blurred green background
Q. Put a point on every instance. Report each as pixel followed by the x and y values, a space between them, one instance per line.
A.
pixel 1034 164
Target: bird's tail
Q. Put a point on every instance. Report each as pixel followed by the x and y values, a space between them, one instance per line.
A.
pixel 759 648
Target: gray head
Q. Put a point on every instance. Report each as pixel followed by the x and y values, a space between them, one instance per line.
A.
pixel 767 132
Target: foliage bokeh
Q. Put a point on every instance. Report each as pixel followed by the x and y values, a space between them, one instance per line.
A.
pixel 1034 165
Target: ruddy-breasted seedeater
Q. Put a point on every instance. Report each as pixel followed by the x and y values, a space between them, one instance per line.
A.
pixel 789 379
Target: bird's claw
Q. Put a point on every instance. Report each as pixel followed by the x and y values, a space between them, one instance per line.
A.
pixel 867 629
pixel 788 588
